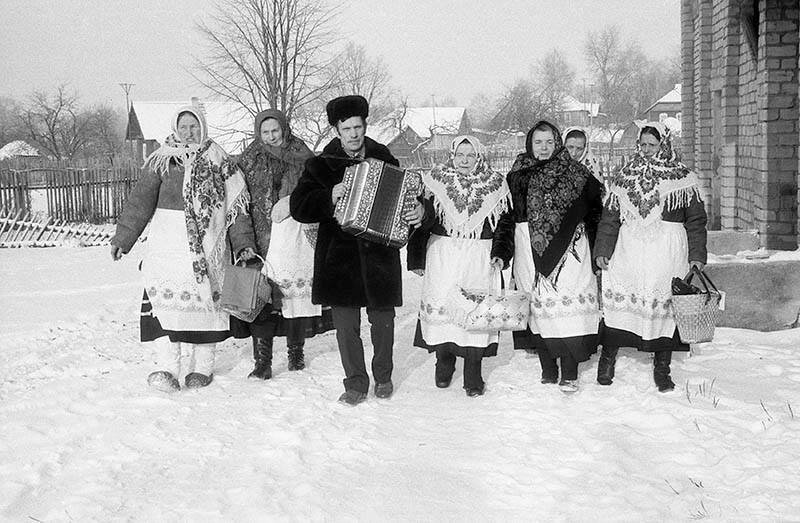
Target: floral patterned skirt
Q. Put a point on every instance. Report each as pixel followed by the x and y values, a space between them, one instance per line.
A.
pixel 452 263
pixel 637 285
pixel 178 301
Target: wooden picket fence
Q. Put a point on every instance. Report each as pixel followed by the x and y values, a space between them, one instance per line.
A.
pixel 71 192
pixel 20 229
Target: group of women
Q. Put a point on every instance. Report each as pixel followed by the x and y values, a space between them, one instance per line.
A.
pixel 551 219
pixel 207 211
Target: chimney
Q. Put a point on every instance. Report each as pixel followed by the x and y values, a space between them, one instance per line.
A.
pixel 197 103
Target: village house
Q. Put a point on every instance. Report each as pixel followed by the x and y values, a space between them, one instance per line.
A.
pixel 149 124
pixel 407 131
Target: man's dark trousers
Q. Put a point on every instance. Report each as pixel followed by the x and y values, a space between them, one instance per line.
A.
pixel 347 321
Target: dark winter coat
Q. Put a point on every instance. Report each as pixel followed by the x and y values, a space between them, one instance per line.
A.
pixel 692 217
pixel 152 192
pixel 348 271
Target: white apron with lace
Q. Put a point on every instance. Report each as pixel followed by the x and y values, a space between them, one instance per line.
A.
pixel 452 263
pixel 637 285
pixel 290 264
pixel 570 307
pixel 179 302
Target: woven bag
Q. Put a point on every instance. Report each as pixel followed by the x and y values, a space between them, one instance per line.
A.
pixel 697 314
pixel 491 310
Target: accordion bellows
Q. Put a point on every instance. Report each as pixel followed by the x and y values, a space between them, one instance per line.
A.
pixel 375 198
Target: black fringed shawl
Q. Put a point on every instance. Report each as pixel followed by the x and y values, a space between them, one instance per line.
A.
pixel 554 196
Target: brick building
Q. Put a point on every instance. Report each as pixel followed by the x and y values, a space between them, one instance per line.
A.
pixel 741 122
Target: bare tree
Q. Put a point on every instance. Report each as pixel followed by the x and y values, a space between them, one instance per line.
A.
pixel 628 81
pixel 555 79
pixel 105 131
pixel 353 71
pixel 267 53
pixel 10 124
pixel 54 123
pixel 481 110
pixel 519 107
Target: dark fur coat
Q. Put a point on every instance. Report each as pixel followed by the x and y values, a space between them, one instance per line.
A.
pixel 348 271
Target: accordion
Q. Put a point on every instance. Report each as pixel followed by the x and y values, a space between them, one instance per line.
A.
pixel 375 198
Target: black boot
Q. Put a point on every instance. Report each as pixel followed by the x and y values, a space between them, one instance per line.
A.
pixel 661 361
pixel 605 365
pixel 262 353
pixel 296 358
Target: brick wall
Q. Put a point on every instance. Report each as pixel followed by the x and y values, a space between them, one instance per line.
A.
pixel 778 112
pixel 741 120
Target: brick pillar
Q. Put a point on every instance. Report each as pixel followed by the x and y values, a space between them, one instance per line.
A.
pixel 687 81
pixel 779 113
pixel 703 123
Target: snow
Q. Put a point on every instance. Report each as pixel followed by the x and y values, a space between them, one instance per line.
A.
pixel 17 148
pixel 758 256
pixel 572 104
pixel 84 439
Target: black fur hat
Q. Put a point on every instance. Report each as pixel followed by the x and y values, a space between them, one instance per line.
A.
pixel 345 107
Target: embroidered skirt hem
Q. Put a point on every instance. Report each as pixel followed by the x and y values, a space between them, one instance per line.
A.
pixel 458 350
pixel 150 329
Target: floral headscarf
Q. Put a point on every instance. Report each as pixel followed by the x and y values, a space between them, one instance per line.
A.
pixel 645 187
pixel 214 193
pixel 271 173
pixel 464 202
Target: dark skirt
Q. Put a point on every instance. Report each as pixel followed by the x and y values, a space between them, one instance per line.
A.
pixel 611 337
pixel 269 324
pixel 463 352
pixel 150 329
pixel 579 347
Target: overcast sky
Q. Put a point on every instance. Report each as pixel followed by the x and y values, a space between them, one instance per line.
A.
pixel 446 48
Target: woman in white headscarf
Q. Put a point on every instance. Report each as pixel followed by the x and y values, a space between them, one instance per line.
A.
pixel 653 229
pixel 195 199
pixel 576 142
pixel 462 244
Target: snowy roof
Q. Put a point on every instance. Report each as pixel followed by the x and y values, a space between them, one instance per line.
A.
pixel 672 97
pixel 572 104
pixel 422 120
pixel 229 124
pixel 17 148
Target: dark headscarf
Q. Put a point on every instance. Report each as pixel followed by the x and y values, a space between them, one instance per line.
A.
pixel 292 150
pixel 553 193
pixel 271 173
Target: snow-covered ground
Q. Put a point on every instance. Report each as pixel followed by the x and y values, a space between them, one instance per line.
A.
pixel 82 438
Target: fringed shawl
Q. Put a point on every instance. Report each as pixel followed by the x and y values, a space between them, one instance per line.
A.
pixel 271 173
pixel 464 202
pixel 645 187
pixel 214 193
pixel 555 200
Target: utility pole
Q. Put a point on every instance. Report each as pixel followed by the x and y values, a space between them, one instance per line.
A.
pixel 127 88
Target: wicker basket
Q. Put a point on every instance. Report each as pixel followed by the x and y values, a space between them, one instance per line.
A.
pixel 696 315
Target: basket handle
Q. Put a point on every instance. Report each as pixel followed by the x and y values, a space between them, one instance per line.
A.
pixel 705 280
pixel 239 259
